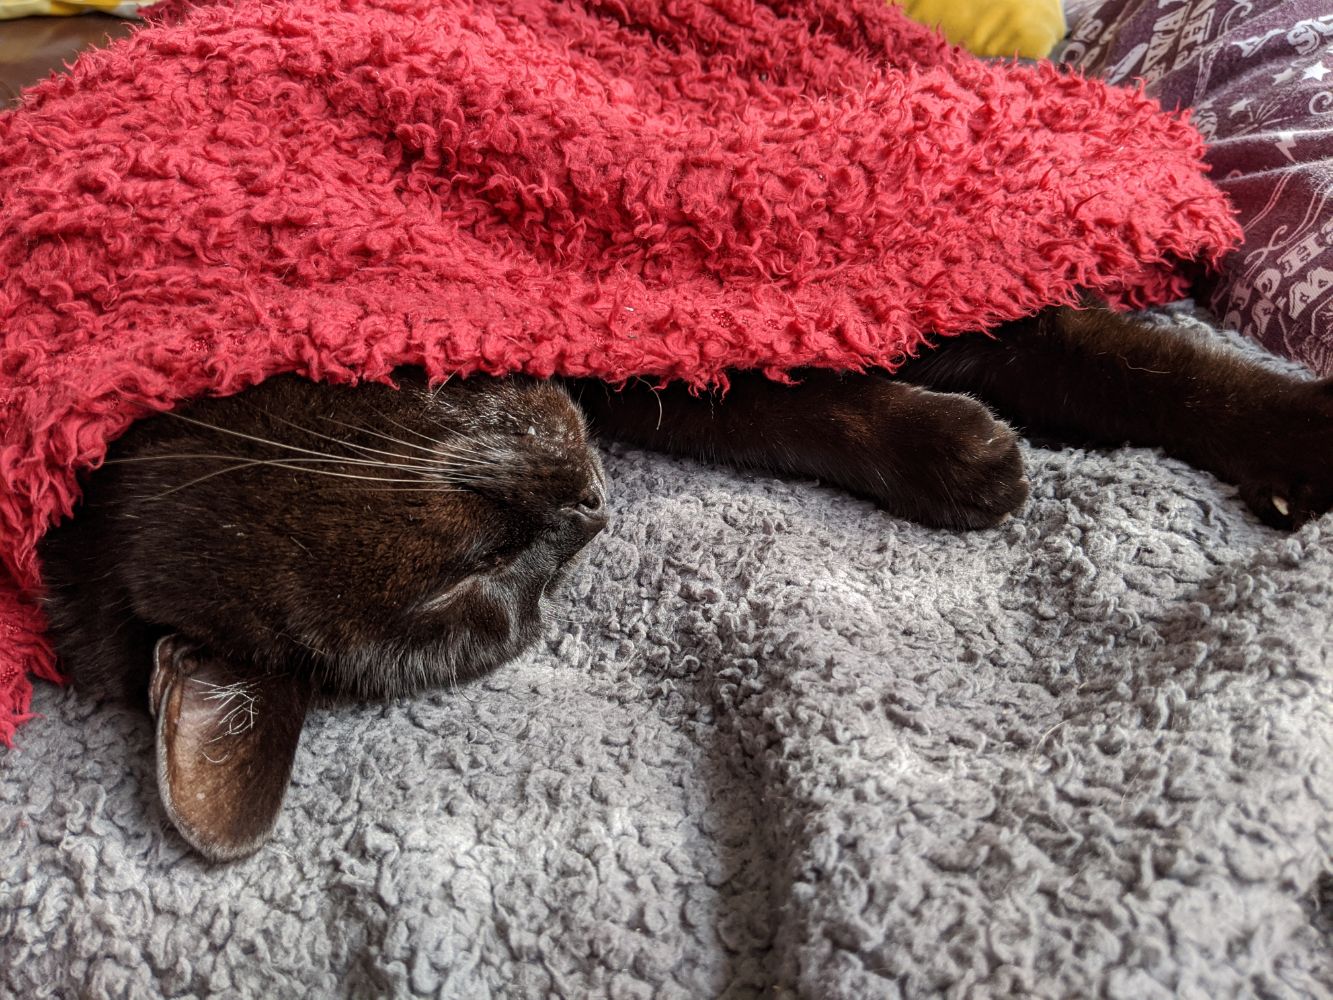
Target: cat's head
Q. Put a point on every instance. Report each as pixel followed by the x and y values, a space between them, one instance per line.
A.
pixel 235 558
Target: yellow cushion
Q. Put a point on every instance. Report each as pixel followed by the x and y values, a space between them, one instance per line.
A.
pixel 1028 28
pixel 68 8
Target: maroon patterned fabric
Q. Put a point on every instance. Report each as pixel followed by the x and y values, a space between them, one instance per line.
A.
pixel 1260 75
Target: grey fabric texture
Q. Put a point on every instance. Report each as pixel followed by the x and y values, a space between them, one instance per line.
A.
pixel 774 743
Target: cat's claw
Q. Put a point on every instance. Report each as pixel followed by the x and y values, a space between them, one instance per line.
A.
pixel 1286 477
pixel 1288 507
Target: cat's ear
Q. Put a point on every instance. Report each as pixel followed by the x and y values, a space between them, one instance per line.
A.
pixel 225 743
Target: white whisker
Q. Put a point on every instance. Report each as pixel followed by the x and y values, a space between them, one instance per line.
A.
pixel 439 451
pixel 295 468
pixel 250 437
pixel 332 460
pixel 345 443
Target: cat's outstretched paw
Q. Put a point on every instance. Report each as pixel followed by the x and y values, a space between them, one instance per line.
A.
pixel 947 462
pixel 1288 478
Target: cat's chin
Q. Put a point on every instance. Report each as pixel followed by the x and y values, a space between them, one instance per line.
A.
pixel 402 669
pixel 453 637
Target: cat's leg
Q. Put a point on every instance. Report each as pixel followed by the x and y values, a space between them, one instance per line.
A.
pixel 1096 377
pixel 937 458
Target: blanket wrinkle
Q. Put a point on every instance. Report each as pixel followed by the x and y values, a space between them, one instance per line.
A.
pixel 607 189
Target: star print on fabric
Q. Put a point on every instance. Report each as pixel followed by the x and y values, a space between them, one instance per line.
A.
pixel 1285 75
pixel 1239 106
pixel 1317 72
pixel 1285 144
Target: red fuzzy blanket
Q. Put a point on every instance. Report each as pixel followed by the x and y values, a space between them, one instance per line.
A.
pixel 591 187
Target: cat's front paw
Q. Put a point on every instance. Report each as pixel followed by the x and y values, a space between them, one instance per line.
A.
pixel 1288 478
pixel 948 462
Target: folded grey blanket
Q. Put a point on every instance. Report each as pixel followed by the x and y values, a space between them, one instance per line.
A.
pixel 775 742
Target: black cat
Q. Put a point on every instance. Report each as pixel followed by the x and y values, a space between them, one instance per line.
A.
pixel 234 559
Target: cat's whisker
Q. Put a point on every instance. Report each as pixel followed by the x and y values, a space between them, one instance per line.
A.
pixel 435 469
pixel 294 468
pixel 200 479
pixel 399 424
pixel 550 617
pixel 433 452
pixel 171 457
pixel 251 437
pixel 342 441
pixel 456 458
pixel 199 456
pixel 443 466
pixel 478 454
pixel 341 475
pixel 411 489
pixel 433 481
pixel 439 446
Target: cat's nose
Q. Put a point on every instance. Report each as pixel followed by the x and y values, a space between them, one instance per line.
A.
pixel 588 512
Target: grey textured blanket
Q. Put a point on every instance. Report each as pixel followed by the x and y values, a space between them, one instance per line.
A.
pixel 774 742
